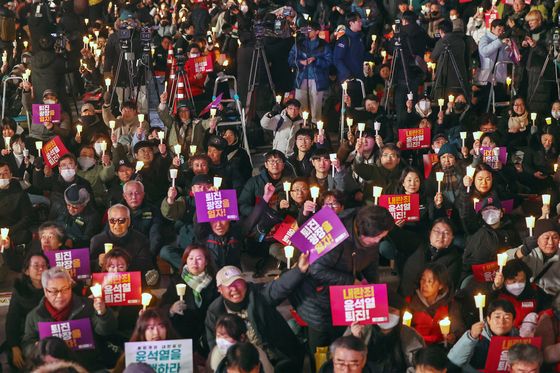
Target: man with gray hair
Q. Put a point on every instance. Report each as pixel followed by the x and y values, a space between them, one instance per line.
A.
pixel 120 234
pixel 524 358
pixel 349 354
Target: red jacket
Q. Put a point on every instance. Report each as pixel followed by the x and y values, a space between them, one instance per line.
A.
pixel 522 307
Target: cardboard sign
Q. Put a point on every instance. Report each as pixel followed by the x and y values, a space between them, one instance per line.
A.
pixel 173 356
pixel 490 15
pixel 320 234
pixel 76 333
pixel 120 288
pixel 366 304
pixel 75 261
pixel 429 161
pixel 507 206
pixel 415 138
pixel 492 156
pixel 485 272
pixel 286 230
pixel 402 206
pixel 43 113
pixel 199 65
pixel 216 205
pixel 214 103
pixel 52 151
pixel 497 360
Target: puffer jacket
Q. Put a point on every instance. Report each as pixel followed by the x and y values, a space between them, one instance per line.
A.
pixel 284 129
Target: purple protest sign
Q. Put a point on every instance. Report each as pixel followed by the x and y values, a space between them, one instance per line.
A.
pixel 75 261
pixel 42 113
pixel 320 234
pixel 76 333
pixel 216 205
pixel 491 156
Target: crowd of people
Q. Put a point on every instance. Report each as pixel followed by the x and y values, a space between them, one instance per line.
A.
pixel 154 102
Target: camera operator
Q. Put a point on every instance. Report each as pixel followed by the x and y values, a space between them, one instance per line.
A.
pixel 413 40
pixel 535 48
pixel 243 17
pixel 515 20
pixel 455 42
pixel 126 38
pixel 278 48
pixel 159 67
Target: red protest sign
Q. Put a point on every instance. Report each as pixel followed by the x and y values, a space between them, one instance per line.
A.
pixel 402 206
pixel 485 272
pixel 415 138
pixel 490 15
pixel 429 161
pixel 286 230
pixel 120 288
pixel 366 304
pixel 202 65
pixel 52 151
pixel 497 360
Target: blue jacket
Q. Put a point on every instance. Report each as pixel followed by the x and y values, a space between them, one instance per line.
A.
pixel 349 56
pixel 319 69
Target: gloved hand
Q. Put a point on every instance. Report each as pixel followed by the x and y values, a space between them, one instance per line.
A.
pixel 177 308
pixel 529 244
pixel 276 109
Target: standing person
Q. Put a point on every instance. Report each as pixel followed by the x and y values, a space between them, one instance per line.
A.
pixel 285 124
pixel 348 56
pixel 312 58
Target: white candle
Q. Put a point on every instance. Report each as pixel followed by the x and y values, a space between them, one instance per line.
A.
pixel 444 327
pixel 177 149
pixel 502 260
pixel 314 193
pixel 548 120
pixel 161 135
pixel 7 142
pixel 361 128
pixel 287 186
pixel 439 178
pixel 79 128
pixel 278 99
pixel 139 165
pixel 192 149
pixel 108 83
pixel 4 235
pixel 305 115
pixel 480 302
pixel 344 87
pixel 555 167
pixel 217 182
pixel 332 156
pixel 103 146
pixel 451 98
pixel 463 138
pixel 533 117
pixel 407 318
pixel 96 290
pixel 38 145
pixel 108 247
pixel 376 127
pixel 320 127
pixel 140 118
pixel 440 102
pixel 112 124
pixel 530 221
pixel 349 122
pixel 212 112
pixel 477 135
pixel 146 299
pixel 181 290
pixel 289 253
pixel 173 175
pixel 546 199
pixel 376 193
pixel 410 96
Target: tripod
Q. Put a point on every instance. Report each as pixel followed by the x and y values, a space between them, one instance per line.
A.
pixel 397 53
pixel 445 58
pixel 541 74
pixel 180 82
pixel 128 57
pixel 258 54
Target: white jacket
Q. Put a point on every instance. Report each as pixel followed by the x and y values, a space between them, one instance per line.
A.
pixel 284 130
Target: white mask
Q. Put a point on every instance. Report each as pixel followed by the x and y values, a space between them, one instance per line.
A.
pixel 244 9
pixel 86 162
pixel 453 17
pixel 555 114
pixel 223 345
pixel 4 183
pixel 491 216
pixel 424 105
pixel 49 102
pixel 17 149
pixel 393 321
pixel 68 174
pixel 516 288
pixel 436 150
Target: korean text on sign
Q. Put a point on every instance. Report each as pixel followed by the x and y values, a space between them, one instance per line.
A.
pixel 75 261
pixel 402 206
pixel 120 288
pixel 415 138
pixel 366 304
pixel 163 356
pixel 497 360
pixel 76 333
pixel 216 205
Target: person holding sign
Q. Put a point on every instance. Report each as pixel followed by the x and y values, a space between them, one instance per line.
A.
pixel 60 304
pixel 187 315
pixel 471 350
pixel 45 131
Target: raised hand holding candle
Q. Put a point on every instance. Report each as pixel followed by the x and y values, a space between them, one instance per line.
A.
pixel 530 221
pixel 463 138
pixel 451 98
pixel 79 128
pixel 332 156
pixel 217 182
pixel 502 260
pixel 289 253
pixel 173 175
pixel 108 83
pixel 444 327
pixel 103 146
pixel 177 149
pixel 4 235
pixel 139 165
pixel 407 318
pixel 361 128
pixel 440 102
pixel 314 194
pixel 140 118
pixel 96 290
pixel 287 186
pixel 480 302
pixel 161 135
pixel 146 299
pixel 376 193
pixel 181 290
pixel 107 247
pixel 477 135
pixel 349 123
pixel 439 178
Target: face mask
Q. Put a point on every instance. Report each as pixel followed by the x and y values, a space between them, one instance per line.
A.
pixel 17 149
pixel 223 345
pixel 68 175
pixel 86 162
pixel 393 321
pixel 491 217
pixel 436 150
pixel 453 17
pixel 555 114
pixel 49 102
pixel 244 8
pixel 424 105
pixel 4 183
pixel 460 106
pixel 194 55
pixel 516 288
pixel 87 119
pixel 97 147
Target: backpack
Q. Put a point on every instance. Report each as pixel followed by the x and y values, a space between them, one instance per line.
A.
pixel 7 28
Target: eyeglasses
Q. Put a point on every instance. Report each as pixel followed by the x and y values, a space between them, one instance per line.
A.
pixel 118 220
pixel 389 155
pixel 332 205
pixel 351 365
pixel 274 161
pixel 441 233
pixel 55 292
pixel 302 190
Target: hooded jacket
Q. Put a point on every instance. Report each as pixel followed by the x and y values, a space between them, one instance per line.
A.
pixel 284 129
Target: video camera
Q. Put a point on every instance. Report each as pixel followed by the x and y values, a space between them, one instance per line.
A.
pixel 274 27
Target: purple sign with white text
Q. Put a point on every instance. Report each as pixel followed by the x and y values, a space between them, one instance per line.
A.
pixel 43 113
pixel 216 205
pixel 76 333
pixel 75 261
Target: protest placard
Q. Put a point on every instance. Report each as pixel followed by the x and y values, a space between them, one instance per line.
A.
pixel 497 360
pixel 415 138
pixel 52 151
pixel 172 356
pixel 366 304
pixel 402 206
pixel 76 333
pixel 485 272
pixel 75 261
pixel 286 230
pixel 491 156
pixel 429 161
pixel 120 288
pixel 43 113
pixel 216 205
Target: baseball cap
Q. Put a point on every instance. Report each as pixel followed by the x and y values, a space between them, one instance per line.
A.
pixel 228 275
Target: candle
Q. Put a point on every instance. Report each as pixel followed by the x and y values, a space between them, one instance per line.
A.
pixel 477 135
pixel 139 165
pixel 533 117
pixel 530 221
pixel 439 178
pixel 361 128
pixel 555 167
pixel 475 202
pixel 96 33
pixel 289 253
pixel 192 149
pixel 470 174
pixel 7 142
pixel 451 98
pixel 305 115
pixel 502 260
pixel 108 83
pixel 181 290
pixel 383 54
pixel 344 87
pixel 39 145
pixel 4 235
pixel 146 299
pixel 177 149
pixel 217 182
pixel 278 99
pixel 96 290
pixel 212 112
pixel 320 127
pixel 161 135
pixel 332 156
pixel 480 301
pixel 376 127
pixel 407 318
pixel 410 96
pixel 349 122
pixel 546 199
pixel 108 247
pixel 444 327
pixel 140 118
pixel 368 11
pixel 287 186
pixel 85 39
pixel 548 120
pixel 86 21
pixel 173 176
pixel 103 146
pixel 377 193
pixel 373 38
pixel 314 193
pixel 463 138
pixel 440 102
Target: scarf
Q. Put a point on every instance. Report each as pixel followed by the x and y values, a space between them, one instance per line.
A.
pixel 58 315
pixel 196 283
pixel 518 122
